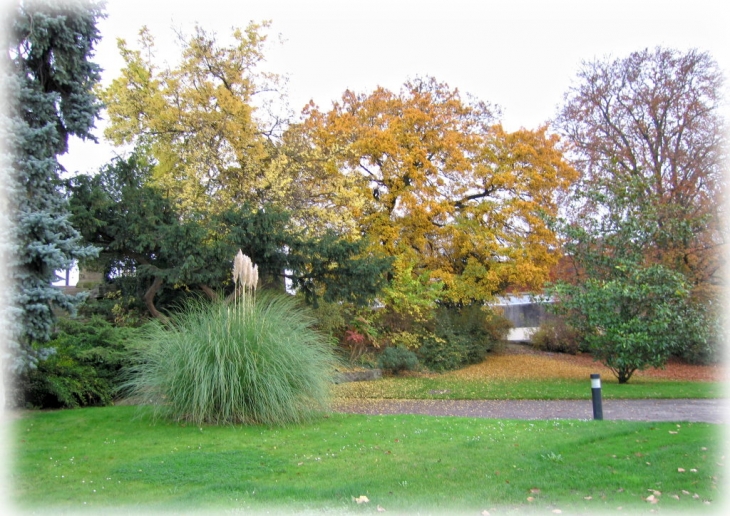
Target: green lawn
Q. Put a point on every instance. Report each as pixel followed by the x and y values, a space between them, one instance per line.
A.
pixel 450 387
pixel 96 459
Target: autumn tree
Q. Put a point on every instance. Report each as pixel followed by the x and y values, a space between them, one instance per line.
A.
pixel 198 119
pixel 647 136
pixel 434 180
pixel 48 77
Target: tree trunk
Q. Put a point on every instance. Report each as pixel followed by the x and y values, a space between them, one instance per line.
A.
pixel 624 375
pixel 149 299
pixel 212 294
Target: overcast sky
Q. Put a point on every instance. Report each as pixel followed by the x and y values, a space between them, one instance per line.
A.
pixel 521 55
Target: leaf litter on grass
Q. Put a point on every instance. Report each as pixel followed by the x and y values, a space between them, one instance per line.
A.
pixel 525 367
pixel 521 372
pixel 522 362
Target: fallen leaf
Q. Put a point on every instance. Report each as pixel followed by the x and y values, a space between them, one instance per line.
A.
pixel 676 497
pixel 588 498
pixel 673 432
pixel 530 499
pixel 380 509
pixel 361 499
pixel 534 490
pixel 693 470
pixel 703 449
pixel 696 496
pixel 299 464
pixel 680 470
pixel 651 499
pixel 685 492
pixel 485 513
pixel 557 511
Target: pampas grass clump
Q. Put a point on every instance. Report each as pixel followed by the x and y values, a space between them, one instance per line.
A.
pixel 258 360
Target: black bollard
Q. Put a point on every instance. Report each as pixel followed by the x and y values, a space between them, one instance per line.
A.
pixel 596 391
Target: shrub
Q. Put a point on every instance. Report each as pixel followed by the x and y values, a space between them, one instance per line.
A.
pixel 216 363
pixel 443 353
pixel 396 359
pixel 557 336
pixel 705 333
pixel 633 320
pixel 330 318
pixel 83 370
pixel 460 336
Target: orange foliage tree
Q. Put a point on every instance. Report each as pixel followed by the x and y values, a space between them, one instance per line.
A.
pixel 433 180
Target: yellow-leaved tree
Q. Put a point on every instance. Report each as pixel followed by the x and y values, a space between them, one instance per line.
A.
pixel 212 148
pixel 435 181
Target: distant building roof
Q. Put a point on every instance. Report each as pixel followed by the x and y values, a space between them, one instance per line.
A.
pixel 520 299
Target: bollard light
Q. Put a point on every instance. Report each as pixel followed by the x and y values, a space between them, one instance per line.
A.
pixel 596 392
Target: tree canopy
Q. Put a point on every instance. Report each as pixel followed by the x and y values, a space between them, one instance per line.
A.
pixel 647 128
pixel 140 231
pixel 645 234
pixel 198 121
pixel 429 175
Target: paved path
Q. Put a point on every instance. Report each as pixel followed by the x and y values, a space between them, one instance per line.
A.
pixel 695 410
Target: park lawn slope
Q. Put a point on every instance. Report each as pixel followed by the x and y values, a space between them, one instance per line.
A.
pixel 103 458
pixel 523 373
pixel 458 388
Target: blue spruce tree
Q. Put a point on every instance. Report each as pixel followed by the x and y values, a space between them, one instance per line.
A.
pixel 47 80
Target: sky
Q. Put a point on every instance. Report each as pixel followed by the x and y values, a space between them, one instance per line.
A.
pixel 521 55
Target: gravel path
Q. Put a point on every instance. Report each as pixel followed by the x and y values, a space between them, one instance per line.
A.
pixel 695 410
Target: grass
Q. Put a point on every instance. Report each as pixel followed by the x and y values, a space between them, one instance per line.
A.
pixel 523 376
pixel 255 362
pixel 93 460
pixel 454 387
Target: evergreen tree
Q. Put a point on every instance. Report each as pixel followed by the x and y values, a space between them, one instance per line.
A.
pixel 47 81
pixel 151 248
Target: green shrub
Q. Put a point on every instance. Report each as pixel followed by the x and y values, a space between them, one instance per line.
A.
pixel 557 336
pixel 83 370
pixel 216 363
pixel 460 336
pixel 443 353
pixel 635 319
pixel 396 359
pixel 330 317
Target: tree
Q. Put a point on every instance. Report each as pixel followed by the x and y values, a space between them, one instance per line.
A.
pixel 646 134
pixel 634 320
pixel 197 121
pixel 144 235
pixel 48 78
pixel 634 311
pixel 432 179
pixel 650 122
